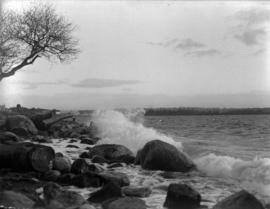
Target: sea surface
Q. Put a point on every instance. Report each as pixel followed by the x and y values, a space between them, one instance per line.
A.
pixel 231 152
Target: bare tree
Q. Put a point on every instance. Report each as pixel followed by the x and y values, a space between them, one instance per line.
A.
pixel 35 33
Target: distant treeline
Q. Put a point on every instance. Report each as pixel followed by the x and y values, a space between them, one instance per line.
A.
pixel 205 111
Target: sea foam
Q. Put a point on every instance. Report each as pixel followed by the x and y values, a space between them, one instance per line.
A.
pixel 126 128
pixel 253 175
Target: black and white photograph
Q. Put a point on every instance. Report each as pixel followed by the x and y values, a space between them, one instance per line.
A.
pixel 132 104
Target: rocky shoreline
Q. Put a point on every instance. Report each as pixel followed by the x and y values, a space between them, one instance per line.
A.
pixel 33 174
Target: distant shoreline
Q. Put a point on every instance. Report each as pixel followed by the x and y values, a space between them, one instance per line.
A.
pixel 205 111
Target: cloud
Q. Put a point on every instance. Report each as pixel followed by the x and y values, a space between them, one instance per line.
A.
pixel 251 30
pixel 34 85
pixel 184 44
pixel 188 44
pixel 103 83
pixel 251 37
pixel 203 53
pixel 254 16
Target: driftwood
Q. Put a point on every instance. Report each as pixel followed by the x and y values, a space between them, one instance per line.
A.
pixel 56 118
pixel 26 156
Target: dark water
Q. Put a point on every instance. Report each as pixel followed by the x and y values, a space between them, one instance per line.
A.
pixel 242 136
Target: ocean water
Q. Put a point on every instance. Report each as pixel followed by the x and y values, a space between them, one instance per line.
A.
pixel 231 152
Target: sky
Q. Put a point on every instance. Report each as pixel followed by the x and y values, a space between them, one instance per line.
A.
pixel 152 54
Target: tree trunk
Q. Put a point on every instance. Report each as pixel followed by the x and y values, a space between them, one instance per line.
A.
pixel 56 118
pixel 26 156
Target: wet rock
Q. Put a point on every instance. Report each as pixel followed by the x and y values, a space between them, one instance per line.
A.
pixel 21 125
pixel 72 140
pixel 98 159
pixel 84 155
pixel 66 178
pixel 62 164
pixel 182 196
pixel 80 166
pixel 72 146
pixel 74 135
pixel 119 178
pixel 159 155
pixel 124 203
pixel 25 183
pixel 15 199
pixel 108 191
pixel 42 139
pixel 9 138
pixel 136 191
pixel 89 141
pixel 86 206
pixel 113 153
pixel 88 179
pixel 57 197
pixel 59 154
pixel 52 175
pixel 240 200
pixel 115 165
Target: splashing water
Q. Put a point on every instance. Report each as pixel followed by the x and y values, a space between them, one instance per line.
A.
pixel 253 175
pixel 119 128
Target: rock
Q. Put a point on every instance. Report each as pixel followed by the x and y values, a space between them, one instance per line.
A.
pixel 136 191
pixel 86 206
pixel 24 183
pixel 62 164
pixel 88 141
pixel 119 178
pixel 80 166
pixel 240 200
pixel 59 154
pixel 9 138
pixel 98 159
pixel 15 199
pixel 74 135
pixel 84 155
pixel 113 153
pixel 124 203
pixel 21 125
pixel 159 155
pixel 87 179
pixel 110 190
pixel 115 165
pixel 42 139
pixel 57 197
pixel 72 140
pixel 72 146
pixel 182 196
pixel 52 175
pixel 66 178
pixel 38 118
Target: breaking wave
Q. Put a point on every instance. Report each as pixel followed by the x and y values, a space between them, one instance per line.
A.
pixel 253 175
pixel 126 128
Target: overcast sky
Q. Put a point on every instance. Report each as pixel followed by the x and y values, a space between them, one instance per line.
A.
pixel 154 53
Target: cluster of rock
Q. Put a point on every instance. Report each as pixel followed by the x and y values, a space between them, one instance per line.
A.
pixel 34 176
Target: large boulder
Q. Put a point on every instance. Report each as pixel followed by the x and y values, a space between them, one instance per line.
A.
pixel 240 200
pixel 21 125
pixel 57 197
pixel 108 191
pixel 113 153
pixel 159 155
pixel 182 196
pixel 124 203
pixel 12 199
